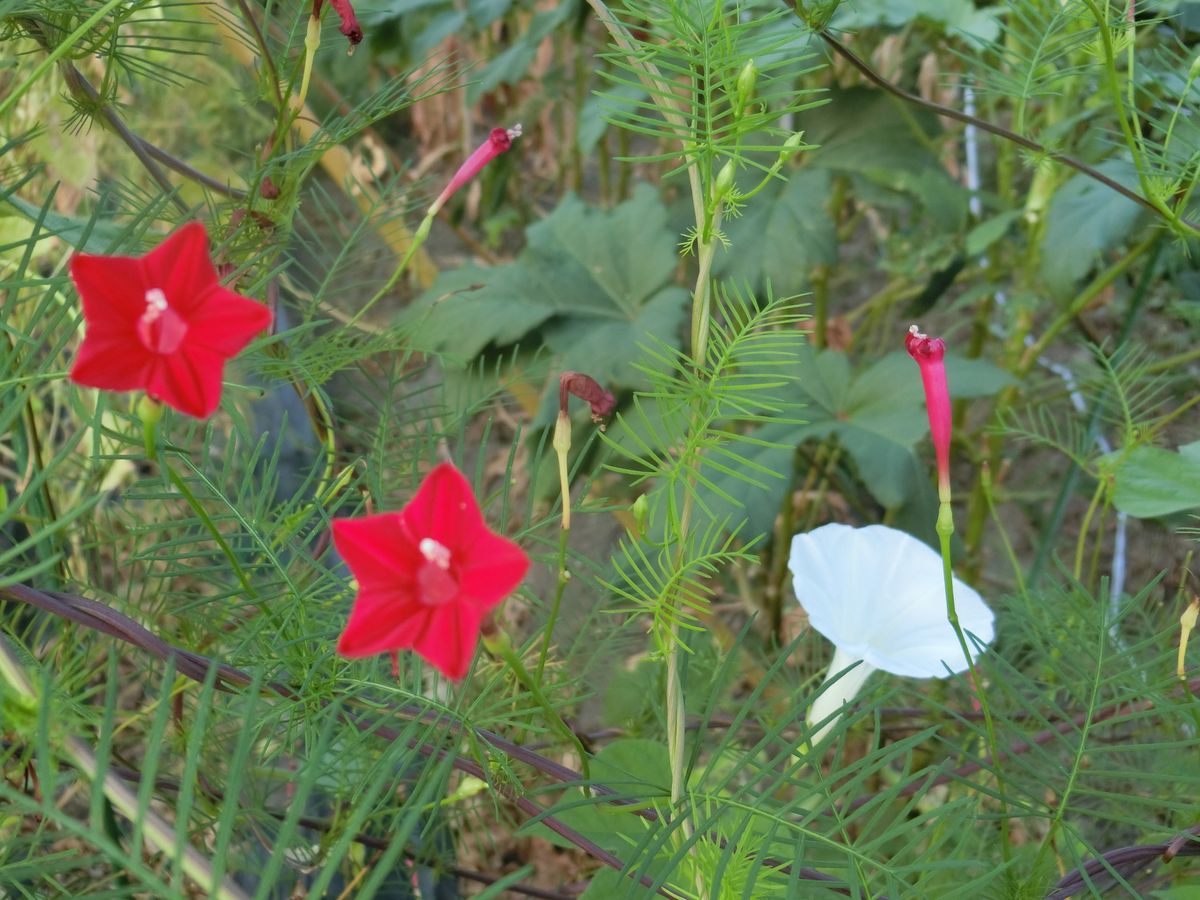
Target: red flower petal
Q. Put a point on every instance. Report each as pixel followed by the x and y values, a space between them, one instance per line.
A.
pixel 384 620
pixel 226 322
pixel 111 363
pixel 493 570
pixel 189 381
pixel 182 269
pixel 162 322
pixel 112 288
pixel 377 550
pixel 444 508
pixel 449 642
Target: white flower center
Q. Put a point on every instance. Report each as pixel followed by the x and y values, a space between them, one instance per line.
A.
pixel 156 304
pixel 435 553
pixel 160 328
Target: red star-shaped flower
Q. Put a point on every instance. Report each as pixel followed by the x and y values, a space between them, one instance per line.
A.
pixel 162 322
pixel 426 575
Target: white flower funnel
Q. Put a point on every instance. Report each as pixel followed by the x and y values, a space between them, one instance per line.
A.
pixel 877 594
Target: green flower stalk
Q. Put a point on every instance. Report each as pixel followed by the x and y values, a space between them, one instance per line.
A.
pixel 602 403
pixel 930 354
pixel 498 141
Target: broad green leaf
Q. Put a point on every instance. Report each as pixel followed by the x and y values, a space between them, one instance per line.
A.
pixel 971 378
pixel 1084 219
pixel 955 16
pixel 989 231
pixel 1154 482
pixel 633 767
pixel 866 135
pixel 785 231
pixel 595 282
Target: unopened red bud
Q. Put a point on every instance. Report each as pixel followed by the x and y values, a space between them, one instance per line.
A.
pixel 930 355
pixel 497 142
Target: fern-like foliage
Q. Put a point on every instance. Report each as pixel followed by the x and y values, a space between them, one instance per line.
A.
pixel 685 428
pixel 687 56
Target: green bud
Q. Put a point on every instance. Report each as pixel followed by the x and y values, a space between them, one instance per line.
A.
pixel 794 143
pixel 149 410
pixel 724 182
pixel 641 506
pixel 817 14
pixel 745 88
pixel 1194 71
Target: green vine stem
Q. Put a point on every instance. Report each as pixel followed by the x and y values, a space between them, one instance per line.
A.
pixel 560 586
pixel 1155 206
pixel 945 531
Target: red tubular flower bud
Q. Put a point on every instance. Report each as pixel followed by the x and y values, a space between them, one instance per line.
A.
pixel 497 142
pixel 930 356
pixel 587 389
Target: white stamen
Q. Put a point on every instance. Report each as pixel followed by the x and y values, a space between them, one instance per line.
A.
pixel 435 553
pixel 514 132
pixel 916 332
pixel 156 304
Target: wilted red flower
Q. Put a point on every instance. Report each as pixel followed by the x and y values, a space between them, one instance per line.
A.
pixel 349 22
pixel 930 355
pixel 349 27
pixel 162 323
pixel 426 575
pixel 497 142
pixel 587 389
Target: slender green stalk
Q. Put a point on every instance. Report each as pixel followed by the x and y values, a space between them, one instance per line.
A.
pixel 559 587
pixel 945 530
pixel 702 295
pixel 499 645
pixel 1081 301
pixel 418 240
pixel 1085 527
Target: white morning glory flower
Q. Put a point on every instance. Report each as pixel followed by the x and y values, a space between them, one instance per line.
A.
pixel 877 594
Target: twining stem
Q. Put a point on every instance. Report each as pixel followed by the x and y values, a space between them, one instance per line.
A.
pixel 660 89
pixel 57 53
pixel 1150 203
